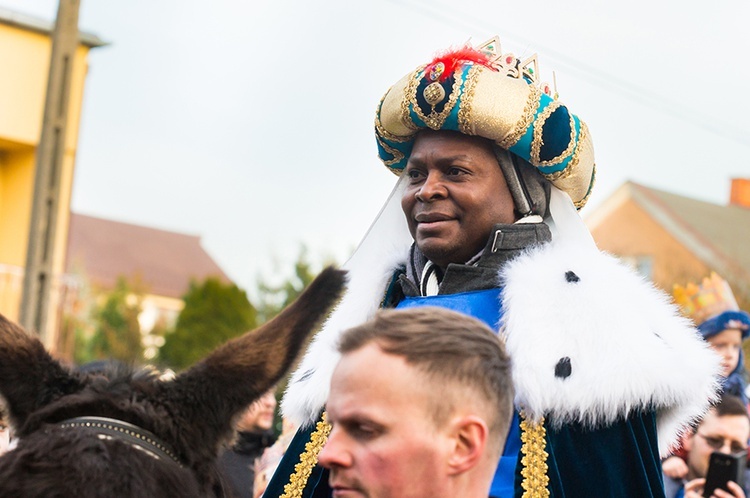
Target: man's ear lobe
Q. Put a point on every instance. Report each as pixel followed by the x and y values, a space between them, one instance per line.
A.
pixel 470 435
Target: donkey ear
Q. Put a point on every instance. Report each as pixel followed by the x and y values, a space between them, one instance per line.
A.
pixel 214 390
pixel 29 377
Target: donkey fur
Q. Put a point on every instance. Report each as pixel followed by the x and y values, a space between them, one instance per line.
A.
pixel 192 413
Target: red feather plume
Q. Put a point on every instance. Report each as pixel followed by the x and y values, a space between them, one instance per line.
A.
pixel 454 58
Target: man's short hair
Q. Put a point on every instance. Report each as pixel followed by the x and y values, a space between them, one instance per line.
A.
pixel 727 406
pixel 730 405
pixel 453 350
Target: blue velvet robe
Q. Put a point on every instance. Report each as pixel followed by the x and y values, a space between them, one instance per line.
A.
pixel 619 460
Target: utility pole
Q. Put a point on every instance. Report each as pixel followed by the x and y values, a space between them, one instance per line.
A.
pixel 39 273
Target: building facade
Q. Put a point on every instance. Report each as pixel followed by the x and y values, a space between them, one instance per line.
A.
pixel 25 53
pixel 673 239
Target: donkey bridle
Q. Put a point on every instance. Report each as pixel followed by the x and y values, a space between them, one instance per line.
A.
pixel 128 433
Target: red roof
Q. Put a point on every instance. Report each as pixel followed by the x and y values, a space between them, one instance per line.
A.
pixel 164 261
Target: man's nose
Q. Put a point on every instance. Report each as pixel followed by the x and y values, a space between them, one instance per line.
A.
pixel 726 447
pixel 333 453
pixel 432 188
pixel 268 399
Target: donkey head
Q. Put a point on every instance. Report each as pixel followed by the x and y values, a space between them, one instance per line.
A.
pixel 179 424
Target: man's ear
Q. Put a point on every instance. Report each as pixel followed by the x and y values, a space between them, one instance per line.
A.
pixel 687 441
pixel 470 434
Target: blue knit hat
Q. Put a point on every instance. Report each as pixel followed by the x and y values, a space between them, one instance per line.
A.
pixel 727 320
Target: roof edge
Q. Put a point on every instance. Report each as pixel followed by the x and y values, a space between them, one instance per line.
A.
pixel 595 218
pixel 133 224
pixel 682 230
pixel 39 25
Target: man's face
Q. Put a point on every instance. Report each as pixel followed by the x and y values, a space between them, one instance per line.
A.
pixel 384 442
pixel 259 415
pixel 728 434
pixel 4 437
pixel 456 192
pixel 727 343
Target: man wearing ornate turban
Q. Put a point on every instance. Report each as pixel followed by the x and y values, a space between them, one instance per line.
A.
pixel 483 220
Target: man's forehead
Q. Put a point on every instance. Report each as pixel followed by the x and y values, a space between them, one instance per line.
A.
pixel 733 425
pixel 451 137
pixel 446 148
pixel 419 157
pixel 370 373
pixel 363 368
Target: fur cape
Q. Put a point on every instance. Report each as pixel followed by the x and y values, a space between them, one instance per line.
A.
pixel 627 346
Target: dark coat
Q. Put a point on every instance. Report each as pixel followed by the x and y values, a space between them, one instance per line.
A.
pixel 237 463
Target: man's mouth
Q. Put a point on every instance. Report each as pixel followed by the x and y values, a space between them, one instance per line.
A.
pixel 342 490
pixel 432 217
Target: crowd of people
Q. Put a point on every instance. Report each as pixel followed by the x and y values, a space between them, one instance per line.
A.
pixel 485 347
pixel 712 307
pixel 422 399
pixel 492 169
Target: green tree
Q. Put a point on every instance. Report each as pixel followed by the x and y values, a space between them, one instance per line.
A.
pixel 117 331
pixel 274 298
pixel 214 312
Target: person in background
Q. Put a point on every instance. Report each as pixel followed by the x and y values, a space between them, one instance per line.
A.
pixel 714 310
pixel 420 404
pixel 266 465
pixel 726 429
pixel 254 434
pixel 4 432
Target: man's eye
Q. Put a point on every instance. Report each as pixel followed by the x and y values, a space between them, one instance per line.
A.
pixel 714 442
pixel 454 171
pixel 414 174
pixel 364 431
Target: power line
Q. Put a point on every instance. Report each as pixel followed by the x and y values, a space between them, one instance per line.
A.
pixel 451 16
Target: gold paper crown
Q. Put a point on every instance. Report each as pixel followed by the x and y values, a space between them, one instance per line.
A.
pixel 513 66
pixel 701 302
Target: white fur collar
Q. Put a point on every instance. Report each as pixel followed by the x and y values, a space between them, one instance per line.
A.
pixel 383 249
pixel 627 345
pixel 308 387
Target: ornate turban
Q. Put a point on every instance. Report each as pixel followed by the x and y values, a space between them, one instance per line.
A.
pixel 480 91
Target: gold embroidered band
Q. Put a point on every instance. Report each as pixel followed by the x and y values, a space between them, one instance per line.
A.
pixel 534 459
pixel 308 459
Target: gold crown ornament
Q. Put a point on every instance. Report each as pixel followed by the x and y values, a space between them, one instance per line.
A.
pixel 701 302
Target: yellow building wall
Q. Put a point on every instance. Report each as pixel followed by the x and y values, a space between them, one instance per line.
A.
pixel 25 56
pixel 16 187
pixel 24 59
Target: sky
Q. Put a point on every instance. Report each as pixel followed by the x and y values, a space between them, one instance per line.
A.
pixel 250 123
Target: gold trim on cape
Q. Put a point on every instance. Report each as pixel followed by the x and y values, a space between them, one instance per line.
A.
pixel 534 460
pixel 307 460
